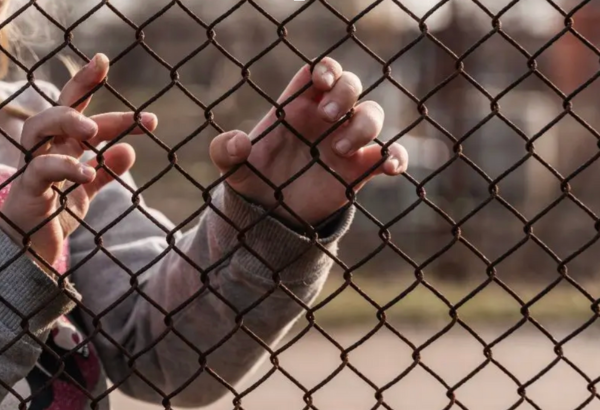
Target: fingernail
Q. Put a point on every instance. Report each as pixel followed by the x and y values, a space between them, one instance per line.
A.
pixel 327 75
pixel 92 64
pixel 395 163
pixel 343 147
pixel 232 147
pixel 98 62
pixel 332 110
pixel 148 119
pixel 87 171
pixel 329 79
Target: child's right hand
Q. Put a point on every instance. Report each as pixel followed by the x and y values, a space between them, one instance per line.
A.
pixel 31 199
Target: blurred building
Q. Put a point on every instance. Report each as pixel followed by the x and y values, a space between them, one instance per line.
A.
pixel 505 113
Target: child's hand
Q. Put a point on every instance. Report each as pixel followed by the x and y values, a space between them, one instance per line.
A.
pixel 31 199
pixel 316 194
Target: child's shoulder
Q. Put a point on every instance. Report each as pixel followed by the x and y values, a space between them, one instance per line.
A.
pixel 27 95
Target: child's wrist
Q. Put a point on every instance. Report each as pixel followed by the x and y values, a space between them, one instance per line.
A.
pixel 17 239
pixel 323 229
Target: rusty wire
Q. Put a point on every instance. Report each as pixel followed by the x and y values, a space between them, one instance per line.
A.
pixel 453 226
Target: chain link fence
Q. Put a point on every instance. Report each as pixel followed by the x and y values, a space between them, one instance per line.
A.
pixel 495 102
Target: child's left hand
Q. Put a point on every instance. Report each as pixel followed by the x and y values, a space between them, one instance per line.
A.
pixel 32 202
pixel 280 155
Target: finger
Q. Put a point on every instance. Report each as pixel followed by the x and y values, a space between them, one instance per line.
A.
pixel 84 82
pixel 119 159
pixel 363 128
pixel 395 164
pixel 341 98
pixel 44 171
pixel 230 149
pixel 324 76
pixel 56 121
pixel 114 124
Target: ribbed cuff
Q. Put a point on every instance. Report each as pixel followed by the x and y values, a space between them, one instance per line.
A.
pixel 296 258
pixel 27 289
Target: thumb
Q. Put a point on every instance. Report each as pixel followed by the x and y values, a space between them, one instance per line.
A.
pixel 119 159
pixel 230 149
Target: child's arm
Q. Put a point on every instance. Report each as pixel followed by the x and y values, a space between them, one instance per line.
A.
pixel 162 328
pixel 31 296
pixel 27 289
pixel 171 282
pixel 167 337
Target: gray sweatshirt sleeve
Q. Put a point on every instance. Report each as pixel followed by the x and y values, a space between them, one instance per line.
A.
pixel 164 329
pixel 29 300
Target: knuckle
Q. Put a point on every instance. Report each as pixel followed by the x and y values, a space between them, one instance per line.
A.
pixel 69 116
pixel 36 125
pixel 45 163
pixel 72 123
pixel 67 161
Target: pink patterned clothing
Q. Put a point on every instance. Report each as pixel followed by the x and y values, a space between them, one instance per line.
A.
pixel 82 367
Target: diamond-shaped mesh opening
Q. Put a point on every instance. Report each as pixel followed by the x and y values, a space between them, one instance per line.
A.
pixel 468 282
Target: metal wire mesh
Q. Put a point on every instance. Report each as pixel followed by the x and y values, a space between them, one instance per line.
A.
pixel 456 141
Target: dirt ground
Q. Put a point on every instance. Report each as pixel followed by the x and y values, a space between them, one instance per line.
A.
pixel 453 357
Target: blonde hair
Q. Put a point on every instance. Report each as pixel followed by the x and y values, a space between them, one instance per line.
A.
pixel 9 36
pixel 4 38
pixel 6 35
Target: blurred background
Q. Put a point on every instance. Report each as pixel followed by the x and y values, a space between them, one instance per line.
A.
pixel 505 152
